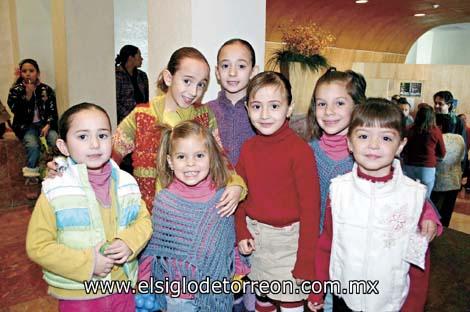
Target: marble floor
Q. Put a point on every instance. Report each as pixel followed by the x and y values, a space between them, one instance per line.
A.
pixel 22 287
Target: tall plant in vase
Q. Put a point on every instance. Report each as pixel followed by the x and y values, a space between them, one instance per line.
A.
pixel 303 43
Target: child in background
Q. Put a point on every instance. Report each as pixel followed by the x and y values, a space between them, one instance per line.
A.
pixel 190 239
pixel 92 202
pixel 278 223
pixel 34 107
pixel 374 207
pixel 405 107
pixel 235 66
pixel 184 82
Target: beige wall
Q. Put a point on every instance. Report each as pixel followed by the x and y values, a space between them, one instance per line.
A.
pixel 343 59
pixel 9 47
pixel 383 79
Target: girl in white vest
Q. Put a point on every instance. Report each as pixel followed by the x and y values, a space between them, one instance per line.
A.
pixel 372 235
pixel 91 203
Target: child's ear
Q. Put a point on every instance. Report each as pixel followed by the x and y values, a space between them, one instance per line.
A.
pixel 290 110
pixel 401 146
pixel 254 71
pixel 170 163
pixel 62 147
pixel 350 146
pixel 167 77
pixel 217 72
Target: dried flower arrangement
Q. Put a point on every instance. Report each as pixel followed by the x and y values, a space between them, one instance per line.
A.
pixel 303 43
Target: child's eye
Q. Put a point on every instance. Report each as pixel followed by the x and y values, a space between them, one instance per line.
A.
pixel 201 85
pixel 224 66
pixel 340 103
pixel 388 139
pixel 103 136
pixel 187 82
pixel 320 104
pixel 255 106
pixel 82 136
pixel 179 157
pixel 200 155
pixel 362 136
pixel 275 106
pixel 242 66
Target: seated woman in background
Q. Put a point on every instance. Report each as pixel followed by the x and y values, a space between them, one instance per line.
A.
pixel 425 145
pixel 448 171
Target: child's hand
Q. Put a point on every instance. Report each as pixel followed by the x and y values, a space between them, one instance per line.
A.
pixel 103 265
pixel 246 246
pixel 429 229
pixel 29 88
pixel 315 306
pixel 229 201
pixel 45 130
pixel 118 251
pixel 52 171
pixel 299 281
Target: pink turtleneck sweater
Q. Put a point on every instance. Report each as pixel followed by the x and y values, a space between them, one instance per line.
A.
pixel 335 146
pixel 201 192
pixel 100 182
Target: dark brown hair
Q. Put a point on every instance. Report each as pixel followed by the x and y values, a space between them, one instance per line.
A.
pixel 425 119
pixel 175 62
pixel 378 112
pixel 66 118
pixel 218 168
pixel 244 43
pixel 269 78
pixel 355 85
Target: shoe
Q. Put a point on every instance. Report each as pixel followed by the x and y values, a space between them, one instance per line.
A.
pixel 31 172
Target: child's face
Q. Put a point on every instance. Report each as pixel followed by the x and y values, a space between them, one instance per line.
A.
pixel 374 149
pixel 234 69
pixel 189 160
pixel 333 108
pixel 268 109
pixel 405 108
pixel 187 85
pixel 29 73
pixel 88 139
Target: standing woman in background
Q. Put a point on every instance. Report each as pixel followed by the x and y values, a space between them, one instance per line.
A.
pixel 132 84
pixel 425 146
pixel 132 88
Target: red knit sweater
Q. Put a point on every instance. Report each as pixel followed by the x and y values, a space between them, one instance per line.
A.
pixel 281 175
pixel 423 149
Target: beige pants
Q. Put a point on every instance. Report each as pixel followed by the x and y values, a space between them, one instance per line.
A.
pixel 274 258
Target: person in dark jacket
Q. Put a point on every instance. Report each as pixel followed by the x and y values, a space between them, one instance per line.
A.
pixel 33 104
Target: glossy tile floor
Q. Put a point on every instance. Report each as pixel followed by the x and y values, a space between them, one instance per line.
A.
pixel 22 287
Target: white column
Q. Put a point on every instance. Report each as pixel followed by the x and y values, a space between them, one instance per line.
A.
pixel 83 40
pixel 205 25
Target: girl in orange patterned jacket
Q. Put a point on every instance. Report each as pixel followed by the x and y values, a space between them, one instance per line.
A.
pixel 184 82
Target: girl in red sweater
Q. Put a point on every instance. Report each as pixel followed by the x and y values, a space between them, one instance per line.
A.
pixel 278 223
pixel 425 146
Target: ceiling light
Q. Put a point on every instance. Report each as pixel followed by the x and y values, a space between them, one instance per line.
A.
pixel 361 1
pixel 420 14
pixel 435 6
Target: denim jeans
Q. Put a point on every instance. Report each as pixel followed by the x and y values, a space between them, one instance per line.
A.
pixel 33 145
pixel 425 175
pixel 179 305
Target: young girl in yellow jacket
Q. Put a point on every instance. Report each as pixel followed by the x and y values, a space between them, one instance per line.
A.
pixel 90 223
